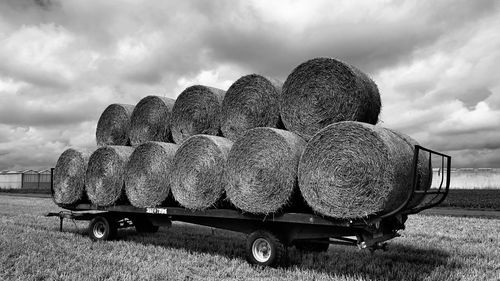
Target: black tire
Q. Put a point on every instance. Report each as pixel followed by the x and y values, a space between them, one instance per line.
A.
pixel 265 249
pixel 311 246
pixel 102 229
pixel 145 226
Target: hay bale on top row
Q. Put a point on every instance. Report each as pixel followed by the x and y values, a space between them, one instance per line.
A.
pixel 69 176
pixel 147 174
pixel 150 120
pixel 197 174
pixel 252 101
pixel 114 125
pixel 353 170
pixel 261 170
pixel 323 91
pixel 196 111
pixel 105 174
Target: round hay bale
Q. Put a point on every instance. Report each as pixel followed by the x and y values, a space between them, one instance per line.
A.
pixel 114 125
pixel 323 91
pixel 261 170
pixel 150 120
pixel 424 168
pixel 197 175
pixel 352 170
pixel 196 111
pixel 69 177
pixel 105 174
pixel 252 101
pixel 147 174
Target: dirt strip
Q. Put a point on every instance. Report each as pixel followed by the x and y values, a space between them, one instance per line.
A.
pixel 457 212
pixel 36 195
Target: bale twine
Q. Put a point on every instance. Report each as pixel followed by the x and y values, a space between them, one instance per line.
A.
pixel 352 170
pixel 69 177
pixel 147 174
pixel 252 101
pixel 261 169
pixel 150 120
pixel 105 174
pixel 196 111
pixel 114 125
pixel 197 174
pixel 323 91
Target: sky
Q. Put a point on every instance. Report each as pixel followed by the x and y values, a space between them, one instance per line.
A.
pixel 436 63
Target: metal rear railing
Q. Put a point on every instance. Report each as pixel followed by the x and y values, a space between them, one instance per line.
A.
pixel 422 198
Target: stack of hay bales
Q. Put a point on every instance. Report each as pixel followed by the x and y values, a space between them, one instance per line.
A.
pixel 313 138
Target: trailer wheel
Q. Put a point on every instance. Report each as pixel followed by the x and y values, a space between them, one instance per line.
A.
pixel 265 249
pixel 101 229
pixel 311 246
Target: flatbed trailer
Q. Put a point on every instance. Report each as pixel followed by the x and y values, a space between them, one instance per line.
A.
pixel 269 236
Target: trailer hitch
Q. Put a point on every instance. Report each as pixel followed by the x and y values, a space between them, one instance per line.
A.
pixel 377 246
pixel 376 241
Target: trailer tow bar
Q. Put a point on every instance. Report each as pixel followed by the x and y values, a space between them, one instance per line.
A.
pixel 72 216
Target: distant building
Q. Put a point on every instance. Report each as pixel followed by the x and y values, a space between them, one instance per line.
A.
pixel 11 180
pixel 26 179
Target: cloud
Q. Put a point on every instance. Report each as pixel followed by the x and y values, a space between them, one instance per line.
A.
pixel 367 35
pixel 63 62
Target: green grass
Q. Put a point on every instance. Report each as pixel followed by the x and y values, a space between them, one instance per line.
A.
pixel 432 248
pixel 473 199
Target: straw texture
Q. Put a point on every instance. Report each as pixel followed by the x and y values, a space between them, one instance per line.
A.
pixel 197 175
pixel 150 120
pixel 69 176
pixel 147 174
pixel 114 125
pixel 323 91
pixel 105 174
pixel 196 111
pixel 353 170
pixel 261 170
pixel 252 101
pixel 424 168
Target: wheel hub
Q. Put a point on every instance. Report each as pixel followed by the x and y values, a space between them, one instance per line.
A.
pixel 99 229
pixel 261 250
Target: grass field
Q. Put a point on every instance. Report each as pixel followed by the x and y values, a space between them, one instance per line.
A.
pixel 473 199
pixel 432 248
